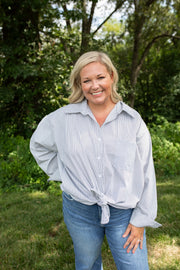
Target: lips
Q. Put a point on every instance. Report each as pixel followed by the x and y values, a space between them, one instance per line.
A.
pixel 96 93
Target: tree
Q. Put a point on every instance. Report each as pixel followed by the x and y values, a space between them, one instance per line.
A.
pixel 29 64
pixel 150 21
pixel 84 11
pixel 158 83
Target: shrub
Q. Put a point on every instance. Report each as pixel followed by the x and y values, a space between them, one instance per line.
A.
pixel 166 146
pixel 17 166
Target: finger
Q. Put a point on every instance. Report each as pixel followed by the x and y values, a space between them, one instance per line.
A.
pixel 135 247
pixel 128 242
pixel 141 244
pixel 132 246
pixel 128 230
pixel 138 243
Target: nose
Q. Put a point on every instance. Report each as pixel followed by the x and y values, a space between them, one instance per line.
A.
pixel 95 84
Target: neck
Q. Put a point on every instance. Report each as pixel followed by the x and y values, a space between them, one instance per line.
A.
pixel 101 108
pixel 101 111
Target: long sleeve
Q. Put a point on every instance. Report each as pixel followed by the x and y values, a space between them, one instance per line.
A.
pixel 44 149
pixel 145 211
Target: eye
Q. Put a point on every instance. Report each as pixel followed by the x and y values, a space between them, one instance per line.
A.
pixel 101 77
pixel 86 81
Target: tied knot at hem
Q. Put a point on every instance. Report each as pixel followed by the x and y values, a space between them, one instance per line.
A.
pixel 103 203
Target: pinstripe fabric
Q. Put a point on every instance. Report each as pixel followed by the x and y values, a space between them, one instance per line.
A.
pixel 107 165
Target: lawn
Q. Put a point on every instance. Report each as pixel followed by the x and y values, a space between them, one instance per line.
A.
pixel 33 235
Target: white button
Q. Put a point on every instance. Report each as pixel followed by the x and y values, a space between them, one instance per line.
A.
pixel 98 158
pixel 99 139
pixel 100 175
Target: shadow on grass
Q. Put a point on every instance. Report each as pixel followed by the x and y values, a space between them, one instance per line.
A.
pixel 33 234
pixel 164 242
pixel 168 210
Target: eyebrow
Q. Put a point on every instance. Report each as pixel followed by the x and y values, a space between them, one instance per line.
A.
pixel 100 74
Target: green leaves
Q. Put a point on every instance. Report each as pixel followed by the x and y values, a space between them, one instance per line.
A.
pixel 17 166
pixel 166 146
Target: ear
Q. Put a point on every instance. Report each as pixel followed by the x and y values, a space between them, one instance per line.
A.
pixel 112 75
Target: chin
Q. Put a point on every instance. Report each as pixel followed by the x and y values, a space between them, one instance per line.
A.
pixel 99 102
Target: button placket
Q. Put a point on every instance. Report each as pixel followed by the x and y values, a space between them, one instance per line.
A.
pixel 99 158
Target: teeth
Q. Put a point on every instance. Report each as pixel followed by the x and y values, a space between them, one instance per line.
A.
pixel 97 93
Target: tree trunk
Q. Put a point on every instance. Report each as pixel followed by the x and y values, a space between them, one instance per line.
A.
pixel 86 25
pixel 138 25
pixel 139 20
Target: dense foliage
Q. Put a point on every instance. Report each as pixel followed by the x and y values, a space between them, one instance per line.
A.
pixel 40 40
pixel 18 168
pixel 166 147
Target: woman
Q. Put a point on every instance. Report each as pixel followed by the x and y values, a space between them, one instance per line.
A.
pixel 100 149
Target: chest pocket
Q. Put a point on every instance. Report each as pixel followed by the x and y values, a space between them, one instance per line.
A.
pixel 121 154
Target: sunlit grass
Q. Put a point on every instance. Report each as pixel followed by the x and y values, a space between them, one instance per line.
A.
pixel 164 242
pixel 33 235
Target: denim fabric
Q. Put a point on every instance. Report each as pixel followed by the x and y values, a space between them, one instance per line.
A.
pixel 84 225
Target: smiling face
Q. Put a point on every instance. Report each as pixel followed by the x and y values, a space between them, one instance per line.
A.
pixel 96 84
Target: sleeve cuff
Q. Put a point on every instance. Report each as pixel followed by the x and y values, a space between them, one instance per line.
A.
pixel 55 177
pixel 143 220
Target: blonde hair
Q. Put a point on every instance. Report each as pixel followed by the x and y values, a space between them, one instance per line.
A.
pixel 75 80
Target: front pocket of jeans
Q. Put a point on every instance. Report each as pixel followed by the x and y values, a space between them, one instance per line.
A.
pixel 67 196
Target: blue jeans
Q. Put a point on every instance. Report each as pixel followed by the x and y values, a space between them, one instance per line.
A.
pixel 87 233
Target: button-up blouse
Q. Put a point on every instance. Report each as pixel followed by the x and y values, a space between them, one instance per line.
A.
pixel 106 165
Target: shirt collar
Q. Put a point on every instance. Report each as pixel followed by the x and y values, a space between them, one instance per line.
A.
pixel 83 108
pixel 121 106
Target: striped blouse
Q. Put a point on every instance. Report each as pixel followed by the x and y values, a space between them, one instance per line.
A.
pixel 106 165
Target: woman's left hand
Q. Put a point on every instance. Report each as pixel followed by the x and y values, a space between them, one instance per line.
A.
pixel 135 238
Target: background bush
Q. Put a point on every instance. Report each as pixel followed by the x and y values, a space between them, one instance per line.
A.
pixel 18 168
pixel 166 146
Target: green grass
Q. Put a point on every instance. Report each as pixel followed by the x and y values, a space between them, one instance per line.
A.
pixel 33 235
